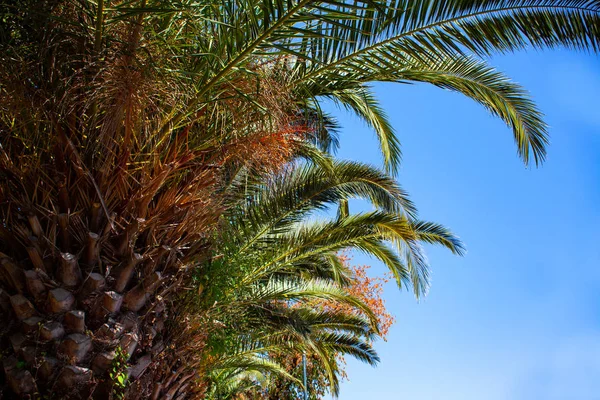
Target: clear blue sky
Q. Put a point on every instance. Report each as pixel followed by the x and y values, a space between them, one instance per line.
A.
pixel 518 318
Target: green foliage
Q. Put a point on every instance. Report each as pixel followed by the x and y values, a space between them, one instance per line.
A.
pixel 273 261
pixel 118 373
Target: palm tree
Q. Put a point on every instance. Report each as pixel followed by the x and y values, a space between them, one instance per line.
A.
pixel 121 124
pixel 273 259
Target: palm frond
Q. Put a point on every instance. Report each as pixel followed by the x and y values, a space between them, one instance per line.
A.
pixel 365 105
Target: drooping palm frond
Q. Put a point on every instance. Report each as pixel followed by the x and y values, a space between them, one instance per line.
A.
pixel 430 42
pixel 273 221
pixel 363 103
pixel 230 384
pixel 469 76
pixel 274 261
pixel 336 42
pixel 264 319
pixel 291 196
pixel 370 233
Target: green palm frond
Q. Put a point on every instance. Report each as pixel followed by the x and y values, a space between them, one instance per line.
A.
pixel 476 80
pixel 370 233
pixel 329 364
pixel 212 52
pixel 438 34
pixel 494 91
pixel 321 320
pixel 289 197
pixel 231 383
pixel 242 363
pixel 327 266
pixel 430 232
pixel 294 289
pixel 236 373
pixel 421 28
pixel 273 225
pixel 365 105
pixel 324 333
pixel 348 344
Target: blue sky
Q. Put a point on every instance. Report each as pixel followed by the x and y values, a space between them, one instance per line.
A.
pixel 517 318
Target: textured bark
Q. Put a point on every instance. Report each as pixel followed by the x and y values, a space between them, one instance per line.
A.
pixel 100 220
pixel 12 276
pixel 60 301
pixel 35 286
pixel 65 322
pixel 136 298
pixel 93 283
pixel 52 331
pixel 90 257
pixel 19 380
pixel 75 348
pixel 69 272
pixel 22 308
pixel 36 258
pixel 31 325
pixel 75 321
pixel 127 272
